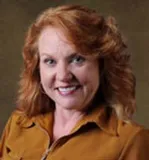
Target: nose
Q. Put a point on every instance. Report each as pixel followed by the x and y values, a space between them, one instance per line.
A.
pixel 64 73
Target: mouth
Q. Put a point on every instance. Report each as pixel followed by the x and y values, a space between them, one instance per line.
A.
pixel 67 90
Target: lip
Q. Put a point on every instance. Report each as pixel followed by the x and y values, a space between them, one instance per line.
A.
pixel 68 86
pixel 68 92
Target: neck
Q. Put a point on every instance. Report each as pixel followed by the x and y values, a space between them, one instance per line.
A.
pixel 64 121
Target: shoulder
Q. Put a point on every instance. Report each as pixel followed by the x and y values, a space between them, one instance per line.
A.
pixel 131 129
pixel 18 119
pixel 135 139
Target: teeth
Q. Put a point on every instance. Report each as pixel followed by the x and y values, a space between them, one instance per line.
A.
pixel 67 89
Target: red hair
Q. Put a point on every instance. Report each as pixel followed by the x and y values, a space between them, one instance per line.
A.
pixel 91 34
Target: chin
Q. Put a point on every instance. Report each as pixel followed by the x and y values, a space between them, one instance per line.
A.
pixel 69 105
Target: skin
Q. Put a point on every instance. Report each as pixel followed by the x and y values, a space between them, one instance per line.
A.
pixel 68 78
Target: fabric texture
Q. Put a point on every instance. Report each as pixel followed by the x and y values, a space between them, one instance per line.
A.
pixel 99 135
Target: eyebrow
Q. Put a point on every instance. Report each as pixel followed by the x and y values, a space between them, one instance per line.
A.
pixel 45 54
pixel 71 55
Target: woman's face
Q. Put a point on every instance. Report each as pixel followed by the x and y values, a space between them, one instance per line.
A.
pixel 68 78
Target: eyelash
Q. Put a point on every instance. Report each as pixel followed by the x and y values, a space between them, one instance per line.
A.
pixel 77 59
pixel 47 60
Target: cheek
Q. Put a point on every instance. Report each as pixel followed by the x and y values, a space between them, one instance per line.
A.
pixel 45 77
pixel 93 80
pixel 42 74
pixel 96 77
pixel 89 75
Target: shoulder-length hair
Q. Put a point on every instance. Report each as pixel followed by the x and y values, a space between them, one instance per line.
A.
pixel 91 34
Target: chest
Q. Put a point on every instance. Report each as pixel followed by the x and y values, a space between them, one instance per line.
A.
pixel 34 143
pixel 88 146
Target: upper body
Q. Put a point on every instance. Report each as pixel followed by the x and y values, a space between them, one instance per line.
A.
pixel 97 136
pixel 74 61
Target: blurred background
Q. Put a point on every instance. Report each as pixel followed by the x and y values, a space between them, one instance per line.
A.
pixel 16 15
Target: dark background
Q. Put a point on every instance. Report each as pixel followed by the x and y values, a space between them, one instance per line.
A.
pixel 17 15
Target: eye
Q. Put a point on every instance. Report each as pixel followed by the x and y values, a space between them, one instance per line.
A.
pixel 49 61
pixel 78 59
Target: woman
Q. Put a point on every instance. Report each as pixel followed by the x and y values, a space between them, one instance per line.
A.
pixel 77 92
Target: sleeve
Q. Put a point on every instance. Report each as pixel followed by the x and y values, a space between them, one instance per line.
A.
pixel 4 136
pixel 137 148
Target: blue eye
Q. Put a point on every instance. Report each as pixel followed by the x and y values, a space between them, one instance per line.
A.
pixel 78 59
pixel 49 61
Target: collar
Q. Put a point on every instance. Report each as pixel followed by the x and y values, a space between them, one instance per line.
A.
pixel 44 120
pixel 104 117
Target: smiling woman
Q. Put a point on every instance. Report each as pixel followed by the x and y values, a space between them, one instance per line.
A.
pixel 77 92
pixel 64 72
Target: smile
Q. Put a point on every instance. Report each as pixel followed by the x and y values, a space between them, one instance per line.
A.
pixel 67 90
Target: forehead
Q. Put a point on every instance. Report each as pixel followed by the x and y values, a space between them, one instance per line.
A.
pixel 52 33
pixel 53 39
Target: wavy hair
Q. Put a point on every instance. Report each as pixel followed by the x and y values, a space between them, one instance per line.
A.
pixel 91 34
